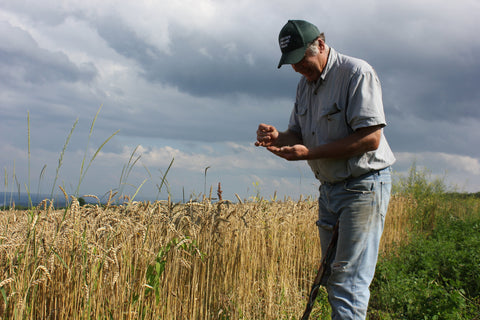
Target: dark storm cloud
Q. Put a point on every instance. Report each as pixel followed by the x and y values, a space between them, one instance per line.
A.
pixel 433 91
pixel 418 135
pixel 429 85
pixel 45 84
pixel 422 90
pixel 223 72
pixel 426 55
pixel 225 67
pixel 22 59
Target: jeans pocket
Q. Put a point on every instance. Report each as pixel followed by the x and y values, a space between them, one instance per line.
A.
pixel 362 186
pixel 385 197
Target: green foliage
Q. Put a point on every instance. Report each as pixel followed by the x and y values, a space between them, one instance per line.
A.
pixel 322 309
pixel 257 197
pixel 83 170
pixel 155 270
pixel 419 184
pixel 81 201
pixel 427 193
pixel 60 159
pixel 434 277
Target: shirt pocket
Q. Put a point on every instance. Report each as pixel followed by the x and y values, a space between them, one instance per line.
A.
pixel 301 117
pixel 300 109
pixel 333 118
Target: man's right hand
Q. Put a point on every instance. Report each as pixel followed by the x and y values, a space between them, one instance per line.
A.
pixel 266 135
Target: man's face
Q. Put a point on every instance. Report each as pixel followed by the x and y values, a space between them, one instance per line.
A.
pixel 309 66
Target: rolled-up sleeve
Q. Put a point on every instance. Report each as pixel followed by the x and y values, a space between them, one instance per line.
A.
pixel 365 107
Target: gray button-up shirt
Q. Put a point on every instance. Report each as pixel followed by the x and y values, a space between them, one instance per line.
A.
pixel 348 96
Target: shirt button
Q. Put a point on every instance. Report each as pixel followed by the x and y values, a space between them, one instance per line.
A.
pixel 313 133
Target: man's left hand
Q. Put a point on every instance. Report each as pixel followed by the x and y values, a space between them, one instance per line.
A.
pixel 291 153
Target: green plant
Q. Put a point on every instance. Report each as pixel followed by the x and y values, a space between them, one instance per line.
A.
pixel 83 171
pixel 322 309
pixel 205 181
pixel 419 184
pixel 165 181
pixel 427 192
pixel 60 159
pixel 434 277
pixel 29 158
pixel 126 170
pixel 155 270
pixel 257 197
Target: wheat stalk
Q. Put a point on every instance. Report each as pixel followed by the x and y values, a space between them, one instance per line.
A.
pixel 6 282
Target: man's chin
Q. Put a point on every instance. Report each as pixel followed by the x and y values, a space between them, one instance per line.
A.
pixel 311 77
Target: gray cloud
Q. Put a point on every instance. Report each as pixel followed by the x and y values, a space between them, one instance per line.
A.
pixel 22 59
pixel 199 64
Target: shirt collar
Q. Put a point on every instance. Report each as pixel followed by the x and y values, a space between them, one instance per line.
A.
pixel 332 57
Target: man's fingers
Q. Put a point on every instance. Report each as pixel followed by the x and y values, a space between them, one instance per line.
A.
pixel 262 143
pixel 275 150
pixel 281 149
pixel 265 128
pixel 265 135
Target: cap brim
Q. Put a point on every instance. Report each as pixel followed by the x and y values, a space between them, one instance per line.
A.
pixel 292 57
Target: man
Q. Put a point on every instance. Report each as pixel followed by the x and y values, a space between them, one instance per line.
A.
pixel 336 125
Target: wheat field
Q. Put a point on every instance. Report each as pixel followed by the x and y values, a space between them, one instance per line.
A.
pixel 162 260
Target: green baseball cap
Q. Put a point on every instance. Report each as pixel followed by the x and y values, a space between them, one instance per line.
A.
pixel 294 39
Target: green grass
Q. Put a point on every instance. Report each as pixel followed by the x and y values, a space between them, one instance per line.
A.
pixel 437 274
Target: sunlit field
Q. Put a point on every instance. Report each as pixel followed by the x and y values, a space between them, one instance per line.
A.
pixel 164 260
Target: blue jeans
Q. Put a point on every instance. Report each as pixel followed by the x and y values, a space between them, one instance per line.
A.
pixel 360 205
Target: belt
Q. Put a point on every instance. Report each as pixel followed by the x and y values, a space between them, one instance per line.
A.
pixel 362 176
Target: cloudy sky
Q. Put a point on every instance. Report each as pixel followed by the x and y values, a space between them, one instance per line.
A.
pixel 190 81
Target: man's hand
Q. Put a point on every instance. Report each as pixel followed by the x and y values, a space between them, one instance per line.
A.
pixel 296 152
pixel 266 135
pixel 287 144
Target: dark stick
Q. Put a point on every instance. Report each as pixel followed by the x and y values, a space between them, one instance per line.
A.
pixel 321 273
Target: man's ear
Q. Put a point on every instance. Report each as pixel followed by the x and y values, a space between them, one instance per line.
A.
pixel 321 45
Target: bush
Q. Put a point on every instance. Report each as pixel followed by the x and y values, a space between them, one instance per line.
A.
pixel 428 194
pixel 419 184
pixel 434 277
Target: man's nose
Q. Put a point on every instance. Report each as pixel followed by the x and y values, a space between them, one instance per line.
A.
pixel 297 66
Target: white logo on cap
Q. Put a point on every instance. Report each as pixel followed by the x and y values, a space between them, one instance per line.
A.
pixel 284 41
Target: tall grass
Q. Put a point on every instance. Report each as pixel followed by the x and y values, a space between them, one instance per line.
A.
pixel 60 159
pixel 217 259
pixel 250 260
pixel 83 167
